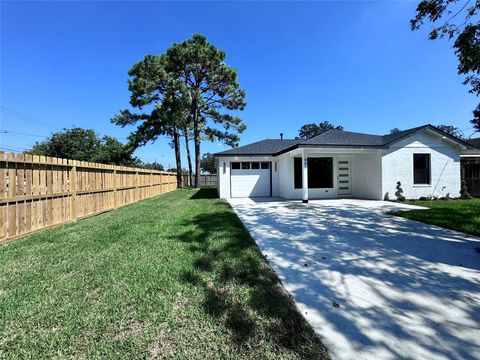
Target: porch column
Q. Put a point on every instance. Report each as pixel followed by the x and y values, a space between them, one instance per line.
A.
pixel 304 177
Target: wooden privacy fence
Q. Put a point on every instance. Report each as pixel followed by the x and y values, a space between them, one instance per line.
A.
pixel 471 175
pixel 205 180
pixel 38 192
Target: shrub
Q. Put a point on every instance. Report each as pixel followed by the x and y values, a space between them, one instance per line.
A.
pixel 464 194
pixel 399 192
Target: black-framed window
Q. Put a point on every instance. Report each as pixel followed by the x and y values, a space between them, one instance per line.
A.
pixel 320 173
pixel 254 165
pixel 297 173
pixel 421 169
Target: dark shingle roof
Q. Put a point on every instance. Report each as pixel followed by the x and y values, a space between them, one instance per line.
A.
pixel 264 147
pixel 348 138
pixel 470 152
pixel 474 142
pixel 330 138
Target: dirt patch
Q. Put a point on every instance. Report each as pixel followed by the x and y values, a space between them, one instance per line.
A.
pixel 163 346
pixel 135 329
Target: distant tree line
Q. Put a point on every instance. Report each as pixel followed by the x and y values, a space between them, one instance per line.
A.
pixel 86 145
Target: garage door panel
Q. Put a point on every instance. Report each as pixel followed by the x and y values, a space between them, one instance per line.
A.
pixel 250 183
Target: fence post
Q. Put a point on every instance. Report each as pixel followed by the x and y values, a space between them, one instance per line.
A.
pixel 73 189
pixel 161 183
pixel 137 195
pixel 115 188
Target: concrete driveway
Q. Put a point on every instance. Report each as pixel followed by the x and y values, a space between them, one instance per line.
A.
pixel 373 286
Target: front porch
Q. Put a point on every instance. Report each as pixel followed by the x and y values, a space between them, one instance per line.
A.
pixel 314 173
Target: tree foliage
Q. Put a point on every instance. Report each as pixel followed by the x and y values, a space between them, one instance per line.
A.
pixel 152 166
pixel 211 87
pixel 309 131
pixel 395 131
pixel 208 163
pixel 161 104
pixel 451 130
pixel 458 21
pixel 187 89
pixel 85 145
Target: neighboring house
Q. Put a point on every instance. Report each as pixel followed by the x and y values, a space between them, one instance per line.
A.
pixel 470 162
pixel 337 164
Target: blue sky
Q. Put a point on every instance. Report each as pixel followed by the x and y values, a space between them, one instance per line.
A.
pixel 355 64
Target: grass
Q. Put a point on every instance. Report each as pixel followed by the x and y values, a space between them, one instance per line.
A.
pixel 175 276
pixel 460 215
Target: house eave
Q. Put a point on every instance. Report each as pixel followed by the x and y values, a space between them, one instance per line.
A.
pixel 307 146
pixel 243 155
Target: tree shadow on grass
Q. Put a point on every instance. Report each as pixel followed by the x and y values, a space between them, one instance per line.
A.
pixel 205 193
pixel 455 218
pixel 240 289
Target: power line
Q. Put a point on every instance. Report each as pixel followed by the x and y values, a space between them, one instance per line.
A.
pixel 10 149
pixel 21 133
pixel 27 118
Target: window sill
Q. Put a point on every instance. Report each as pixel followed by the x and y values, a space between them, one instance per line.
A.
pixel 422 185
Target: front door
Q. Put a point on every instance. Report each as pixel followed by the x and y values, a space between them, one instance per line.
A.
pixel 343 177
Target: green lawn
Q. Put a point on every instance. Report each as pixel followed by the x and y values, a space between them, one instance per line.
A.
pixel 460 215
pixel 176 276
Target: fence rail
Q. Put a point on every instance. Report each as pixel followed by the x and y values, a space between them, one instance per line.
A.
pixel 38 192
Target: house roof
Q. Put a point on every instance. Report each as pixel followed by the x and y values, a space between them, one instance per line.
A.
pixel 474 142
pixel 263 147
pixel 348 138
pixel 331 138
pixel 471 152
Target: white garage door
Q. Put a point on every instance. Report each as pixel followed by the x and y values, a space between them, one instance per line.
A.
pixel 250 179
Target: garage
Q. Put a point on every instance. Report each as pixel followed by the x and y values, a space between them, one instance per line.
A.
pixel 250 179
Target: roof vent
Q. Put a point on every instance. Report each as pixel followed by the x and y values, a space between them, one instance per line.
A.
pixel 281 136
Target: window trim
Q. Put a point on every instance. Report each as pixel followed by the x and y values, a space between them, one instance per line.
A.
pixel 429 166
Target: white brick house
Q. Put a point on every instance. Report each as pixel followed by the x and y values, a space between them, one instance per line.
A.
pixel 345 164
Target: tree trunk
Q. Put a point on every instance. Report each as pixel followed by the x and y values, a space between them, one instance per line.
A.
pixel 189 157
pixel 178 159
pixel 196 140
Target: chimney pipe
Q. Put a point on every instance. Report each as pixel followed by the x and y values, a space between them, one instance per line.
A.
pixel 281 136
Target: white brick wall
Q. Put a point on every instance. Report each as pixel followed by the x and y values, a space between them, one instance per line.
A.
pixel 397 165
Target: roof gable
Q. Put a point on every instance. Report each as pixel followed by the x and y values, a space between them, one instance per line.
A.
pixel 263 147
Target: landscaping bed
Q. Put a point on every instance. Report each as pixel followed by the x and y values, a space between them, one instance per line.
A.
pixel 176 276
pixel 460 215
